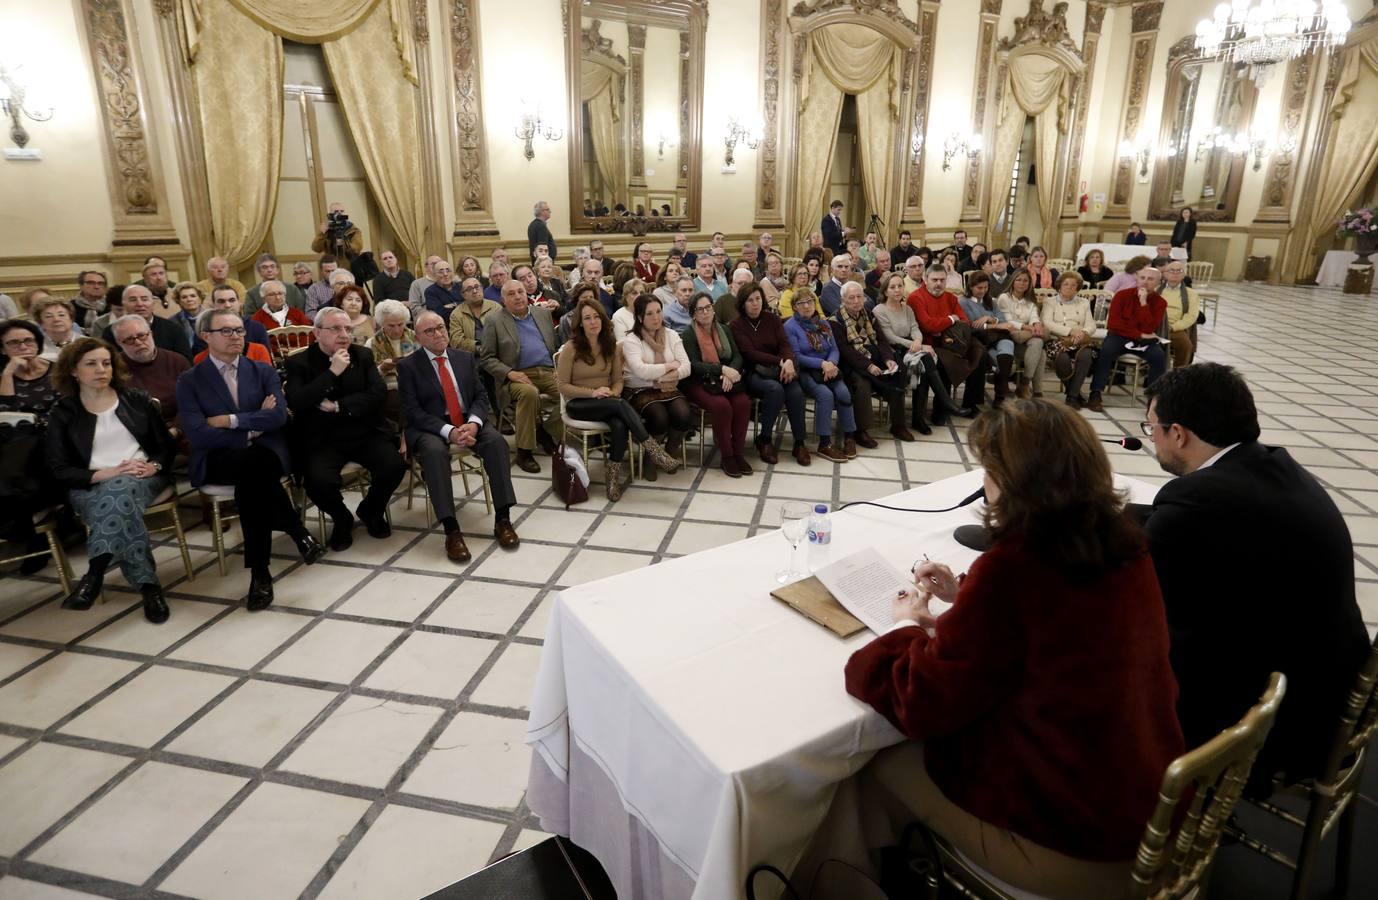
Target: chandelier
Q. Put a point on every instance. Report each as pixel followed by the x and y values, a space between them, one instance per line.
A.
pixel 1262 33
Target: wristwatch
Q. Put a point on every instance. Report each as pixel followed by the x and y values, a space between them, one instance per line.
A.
pixel 157 466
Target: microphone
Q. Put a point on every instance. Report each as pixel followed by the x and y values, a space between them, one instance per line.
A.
pixel 1128 443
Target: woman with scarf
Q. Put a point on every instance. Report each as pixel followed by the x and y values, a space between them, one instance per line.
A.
pixel 817 355
pixel 655 362
pixel 1043 275
pixel 901 330
pixel 715 383
pixel 870 365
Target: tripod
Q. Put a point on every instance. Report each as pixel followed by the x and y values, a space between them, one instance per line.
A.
pixel 875 224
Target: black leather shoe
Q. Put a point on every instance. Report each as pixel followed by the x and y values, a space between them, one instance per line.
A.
pixel 310 549
pixel 261 590
pixel 969 412
pixel 526 461
pixel 88 589
pixel 155 607
pixel 378 527
pixel 341 536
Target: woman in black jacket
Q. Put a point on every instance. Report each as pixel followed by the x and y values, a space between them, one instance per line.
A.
pixel 108 446
pixel 1184 229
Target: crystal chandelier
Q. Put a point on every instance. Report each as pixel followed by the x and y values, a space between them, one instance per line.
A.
pixel 1262 33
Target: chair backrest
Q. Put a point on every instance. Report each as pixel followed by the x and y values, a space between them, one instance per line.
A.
pixel 791 263
pixel 289 339
pixel 1358 723
pixel 1178 846
pixel 1101 310
pixel 1043 294
pixel 1201 273
pixel 1092 295
pixel 1062 264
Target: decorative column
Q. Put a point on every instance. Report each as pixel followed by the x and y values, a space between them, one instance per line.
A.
pixel 1142 42
pixel 918 132
pixel 1280 178
pixel 138 198
pixel 1298 263
pixel 974 201
pixel 186 122
pixel 430 174
pixel 473 196
pixel 1095 17
pixel 636 65
pixel 769 216
pixel 685 141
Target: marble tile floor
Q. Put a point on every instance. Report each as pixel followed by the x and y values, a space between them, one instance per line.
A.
pixel 363 738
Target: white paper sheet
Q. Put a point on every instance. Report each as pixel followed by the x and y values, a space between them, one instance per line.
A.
pixel 866 586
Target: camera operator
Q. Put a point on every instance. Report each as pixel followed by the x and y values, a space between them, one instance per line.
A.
pixel 338 235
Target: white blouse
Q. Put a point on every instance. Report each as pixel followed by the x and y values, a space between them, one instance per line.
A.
pixel 113 443
pixel 639 366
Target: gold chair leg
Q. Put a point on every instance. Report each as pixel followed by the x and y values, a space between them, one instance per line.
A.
pixel 182 541
pixel 59 556
pixel 1344 846
pixel 218 536
pixel 411 482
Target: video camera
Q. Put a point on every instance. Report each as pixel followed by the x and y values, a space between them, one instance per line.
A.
pixel 338 225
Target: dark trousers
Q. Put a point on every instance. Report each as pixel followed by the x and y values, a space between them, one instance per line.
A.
pixel 890 387
pixel 614 412
pixel 1113 347
pixel 264 506
pixel 671 415
pixel 774 396
pixel 433 452
pixel 729 413
pixel 378 454
pixel 1073 370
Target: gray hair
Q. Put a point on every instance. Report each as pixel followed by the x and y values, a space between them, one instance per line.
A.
pixel 264 286
pixel 128 320
pixel 206 318
pixel 264 258
pixel 386 309
pixel 936 270
pixel 496 267
pixel 851 287
pixel 540 205
pixel 301 267
pixel 341 276
pixel 839 261
pixel 581 253
pixel 683 278
pixel 325 312
pixel 914 260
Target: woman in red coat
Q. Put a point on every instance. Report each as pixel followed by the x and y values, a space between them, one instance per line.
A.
pixel 1044 697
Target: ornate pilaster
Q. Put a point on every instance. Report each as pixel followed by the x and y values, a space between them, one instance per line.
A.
pixel 473 196
pixel 918 132
pixel 973 203
pixel 1297 250
pixel 430 173
pixel 685 86
pixel 138 197
pixel 636 56
pixel 769 215
pixel 186 125
pixel 1095 18
pixel 1280 177
pixel 1145 35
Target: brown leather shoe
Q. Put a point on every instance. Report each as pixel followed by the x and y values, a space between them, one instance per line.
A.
pixel 1095 403
pixel 729 467
pixel 455 548
pixel 545 441
pixel 833 453
pixel 526 461
pixel 901 433
pixel 849 448
pixel 743 466
pixel 801 454
pixel 506 535
pixel 766 451
pixel 865 440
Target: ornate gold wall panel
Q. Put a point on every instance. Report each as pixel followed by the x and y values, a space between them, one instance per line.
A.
pixel 473 196
pixel 1145 35
pixel 1095 17
pixel 768 213
pixel 973 197
pixel 1279 179
pixel 923 91
pixel 636 65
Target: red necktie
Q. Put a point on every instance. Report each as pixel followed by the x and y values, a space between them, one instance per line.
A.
pixel 447 387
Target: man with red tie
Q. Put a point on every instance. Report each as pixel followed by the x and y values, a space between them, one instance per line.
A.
pixel 444 406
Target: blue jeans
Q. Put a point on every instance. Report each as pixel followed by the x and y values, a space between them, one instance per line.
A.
pixel 825 395
pixel 774 396
pixel 1113 347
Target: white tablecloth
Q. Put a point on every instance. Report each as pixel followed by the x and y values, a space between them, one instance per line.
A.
pixel 688 726
pixel 1334 268
pixel 1117 254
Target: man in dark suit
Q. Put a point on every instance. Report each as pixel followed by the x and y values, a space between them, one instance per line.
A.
pixel 227 298
pixel 233 412
pixel 518 350
pixel 167 334
pixel 834 232
pixel 1222 535
pixel 444 406
pixel 336 396
pixel 538 232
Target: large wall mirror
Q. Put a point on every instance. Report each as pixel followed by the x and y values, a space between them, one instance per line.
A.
pixel 635 114
pixel 1209 105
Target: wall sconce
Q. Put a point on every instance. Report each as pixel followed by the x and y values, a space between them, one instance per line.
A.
pixel 738 134
pixel 660 139
pixel 969 145
pixel 1142 153
pixel 12 94
pixel 531 127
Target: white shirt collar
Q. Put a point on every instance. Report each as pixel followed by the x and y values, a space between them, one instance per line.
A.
pixel 222 366
pixel 434 356
pixel 1216 458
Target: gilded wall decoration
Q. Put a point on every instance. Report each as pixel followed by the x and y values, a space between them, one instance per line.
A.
pixel 420 24
pixel 1040 27
pixel 1277 184
pixel 1145 19
pixel 1146 16
pixel 1095 17
pixel 636 43
pixel 772 30
pixel 928 23
pixel 121 110
pixel 684 88
pixel 985 62
pixel 886 8
pixel 471 185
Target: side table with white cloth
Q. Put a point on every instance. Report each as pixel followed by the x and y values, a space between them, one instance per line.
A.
pixel 1117 255
pixel 688 726
pixel 1334 268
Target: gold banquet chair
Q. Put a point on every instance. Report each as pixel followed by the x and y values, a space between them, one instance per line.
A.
pixel 45 524
pixel 1178 847
pixel 1201 274
pixel 287 340
pixel 462 461
pixel 1063 265
pixel 1331 798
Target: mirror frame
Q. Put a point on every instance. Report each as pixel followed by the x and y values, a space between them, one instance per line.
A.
pixel 672 14
pixel 1182 57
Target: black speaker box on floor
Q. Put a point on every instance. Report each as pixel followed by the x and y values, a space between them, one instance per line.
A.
pixel 554 869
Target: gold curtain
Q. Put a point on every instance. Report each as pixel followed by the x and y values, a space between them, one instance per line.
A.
pixel 600 88
pixel 1352 153
pixel 876 140
pixel 380 106
pixel 239 81
pixel 818 123
pixel 1035 86
pixel 854 58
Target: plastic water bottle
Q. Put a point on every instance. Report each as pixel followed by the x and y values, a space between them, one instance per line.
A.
pixel 820 537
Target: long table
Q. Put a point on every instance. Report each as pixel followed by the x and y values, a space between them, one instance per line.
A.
pixel 687 726
pixel 1117 254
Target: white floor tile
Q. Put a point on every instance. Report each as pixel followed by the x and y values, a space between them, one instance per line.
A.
pixel 529 563
pixel 135 634
pixel 364 741
pixel 477 759
pixel 334 651
pixel 41 696
pixel 241 639
pixel 482 606
pixel 143 711
pixel 253 724
pixel 630 533
pixel 432 665
pixel 45 782
pixel 396 595
pixel 591 565
pixel 510 681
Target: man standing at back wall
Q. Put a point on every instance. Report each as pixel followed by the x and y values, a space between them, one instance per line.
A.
pixel 538 232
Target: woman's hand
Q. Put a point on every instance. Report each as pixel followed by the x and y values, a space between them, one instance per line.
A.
pixel 731 374
pixel 937 580
pixel 874 369
pixel 916 346
pixel 928 348
pixel 1037 329
pixel 912 606
pixel 1077 334
pixel 787 373
pixel 602 393
pixel 829 369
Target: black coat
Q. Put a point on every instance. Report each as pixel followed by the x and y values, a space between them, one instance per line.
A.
pixel 72 432
pixel 1257 573
pixel 359 390
pixel 1183 233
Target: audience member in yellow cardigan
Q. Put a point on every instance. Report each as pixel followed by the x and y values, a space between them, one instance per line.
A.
pixel 1183 310
pixel 588 370
pixel 466 322
pixel 798 278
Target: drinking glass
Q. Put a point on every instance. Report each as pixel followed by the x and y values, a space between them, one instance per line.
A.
pixel 794 525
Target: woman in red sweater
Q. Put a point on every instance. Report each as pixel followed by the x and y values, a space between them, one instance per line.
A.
pixel 1136 314
pixel 1044 698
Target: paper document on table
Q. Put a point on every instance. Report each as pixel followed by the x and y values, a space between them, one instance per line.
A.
pixel 866 586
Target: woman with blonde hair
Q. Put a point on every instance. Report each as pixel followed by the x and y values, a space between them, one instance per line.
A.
pixel 625 319
pixel 798 280
pixel 58 321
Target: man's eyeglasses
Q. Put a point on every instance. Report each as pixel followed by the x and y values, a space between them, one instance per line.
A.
pixel 135 338
pixel 336 329
pixel 1147 427
pixel 229 332
pixel 434 329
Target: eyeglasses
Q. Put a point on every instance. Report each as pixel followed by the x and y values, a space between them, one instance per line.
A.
pixel 135 338
pixel 22 342
pixel 229 332
pixel 473 287
pixel 336 329
pixel 1147 427
pixel 434 329
pixel 99 283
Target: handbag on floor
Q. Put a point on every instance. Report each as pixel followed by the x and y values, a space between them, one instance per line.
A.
pixel 568 476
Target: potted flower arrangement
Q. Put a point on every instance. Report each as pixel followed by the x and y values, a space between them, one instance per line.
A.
pixel 1363 224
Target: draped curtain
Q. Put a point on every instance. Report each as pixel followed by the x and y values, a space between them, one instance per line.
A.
pixel 600 88
pixel 1036 86
pixel 238 77
pixel 847 59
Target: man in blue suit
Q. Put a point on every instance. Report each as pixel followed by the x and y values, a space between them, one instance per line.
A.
pixel 835 234
pixel 233 413
pixel 445 406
